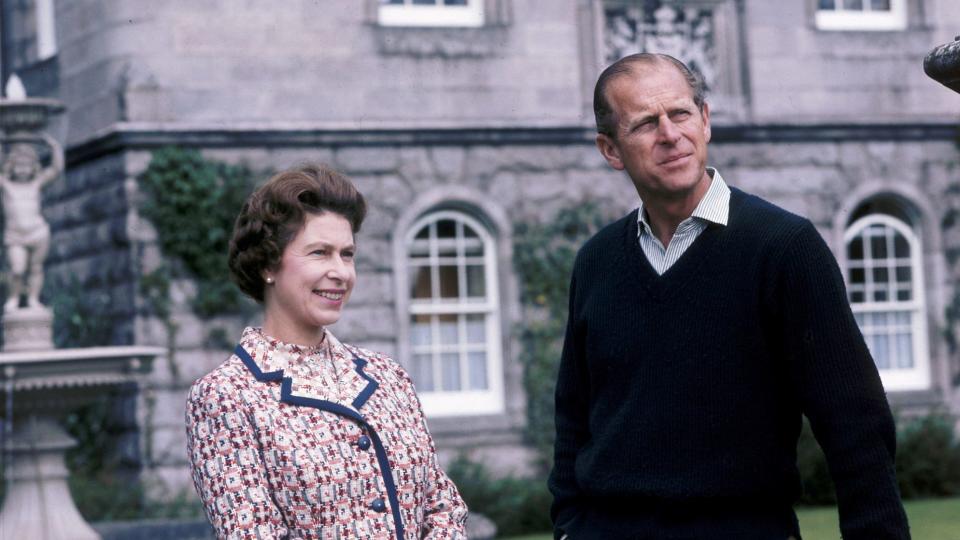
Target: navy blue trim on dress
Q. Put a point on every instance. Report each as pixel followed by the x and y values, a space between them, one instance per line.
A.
pixel 371 387
pixel 254 368
pixel 387 479
pixel 286 396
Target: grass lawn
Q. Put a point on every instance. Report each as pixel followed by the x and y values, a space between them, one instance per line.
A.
pixel 931 519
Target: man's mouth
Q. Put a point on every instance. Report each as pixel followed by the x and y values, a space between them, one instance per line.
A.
pixel 673 159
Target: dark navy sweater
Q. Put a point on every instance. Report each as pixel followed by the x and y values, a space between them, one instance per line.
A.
pixel 679 397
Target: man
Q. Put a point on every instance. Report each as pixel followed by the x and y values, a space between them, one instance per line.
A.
pixel 701 327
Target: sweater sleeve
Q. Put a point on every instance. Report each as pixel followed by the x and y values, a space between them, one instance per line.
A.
pixel 571 417
pixel 228 471
pixel 839 389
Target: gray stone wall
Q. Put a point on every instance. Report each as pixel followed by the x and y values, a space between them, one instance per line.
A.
pixel 226 63
pixel 804 75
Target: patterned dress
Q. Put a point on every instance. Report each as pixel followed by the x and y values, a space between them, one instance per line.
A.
pixel 327 442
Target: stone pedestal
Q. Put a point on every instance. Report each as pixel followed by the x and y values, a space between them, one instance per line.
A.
pixel 39 504
pixel 28 329
pixel 36 388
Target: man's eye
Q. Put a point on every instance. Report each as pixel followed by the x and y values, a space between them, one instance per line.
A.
pixel 348 254
pixel 318 252
pixel 680 115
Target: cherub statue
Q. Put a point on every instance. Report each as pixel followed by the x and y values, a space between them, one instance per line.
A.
pixel 26 234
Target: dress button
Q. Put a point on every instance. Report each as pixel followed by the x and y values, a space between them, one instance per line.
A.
pixel 378 506
pixel 363 442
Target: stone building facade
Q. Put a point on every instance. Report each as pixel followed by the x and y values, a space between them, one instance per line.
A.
pixel 460 121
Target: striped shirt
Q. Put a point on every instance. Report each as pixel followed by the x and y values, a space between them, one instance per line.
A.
pixel 714 207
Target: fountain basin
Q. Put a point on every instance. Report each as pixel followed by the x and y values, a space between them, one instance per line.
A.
pixel 36 389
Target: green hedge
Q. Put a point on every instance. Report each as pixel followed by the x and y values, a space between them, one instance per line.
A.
pixel 928 461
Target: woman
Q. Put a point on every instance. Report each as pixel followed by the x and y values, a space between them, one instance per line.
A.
pixel 298 435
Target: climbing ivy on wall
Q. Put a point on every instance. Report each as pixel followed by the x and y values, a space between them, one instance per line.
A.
pixel 543 258
pixel 192 202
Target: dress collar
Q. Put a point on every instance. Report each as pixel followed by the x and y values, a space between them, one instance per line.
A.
pixel 329 372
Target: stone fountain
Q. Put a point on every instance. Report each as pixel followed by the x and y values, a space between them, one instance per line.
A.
pixel 40 384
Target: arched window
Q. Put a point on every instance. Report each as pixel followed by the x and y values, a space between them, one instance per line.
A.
pixel 454 348
pixel 885 285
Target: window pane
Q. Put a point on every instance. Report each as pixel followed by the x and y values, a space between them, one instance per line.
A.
pixel 472 247
pixel 393 2
pixel 880 351
pixel 446 228
pixel 903 274
pixel 478 370
pixel 901 248
pixel 421 283
pixel 856 297
pixel 455 2
pixel 448 330
pixel 878 247
pixel 420 330
pixel 880 275
pixel 904 351
pixel 422 372
pixel 903 295
pixel 880 5
pixel 450 368
pixel 476 282
pixel 826 4
pixel 419 249
pixel 476 329
pixel 424 2
pixel 448 282
pixel 853 4
pixel 857 275
pixel 880 295
pixel 855 249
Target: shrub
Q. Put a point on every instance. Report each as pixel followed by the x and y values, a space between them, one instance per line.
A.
pixel 928 458
pixel 928 461
pixel 515 505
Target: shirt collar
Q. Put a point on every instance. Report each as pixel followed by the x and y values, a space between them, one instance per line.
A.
pixel 714 207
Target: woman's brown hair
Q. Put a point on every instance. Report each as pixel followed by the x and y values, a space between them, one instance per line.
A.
pixel 274 213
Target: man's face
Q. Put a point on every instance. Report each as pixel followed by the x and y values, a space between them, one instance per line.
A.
pixel 661 135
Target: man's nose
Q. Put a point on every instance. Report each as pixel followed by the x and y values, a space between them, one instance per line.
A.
pixel 667 130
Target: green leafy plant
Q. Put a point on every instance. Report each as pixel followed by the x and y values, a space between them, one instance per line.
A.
pixel 80 316
pixel 193 202
pixel 928 461
pixel 515 505
pixel 928 458
pixel 543 258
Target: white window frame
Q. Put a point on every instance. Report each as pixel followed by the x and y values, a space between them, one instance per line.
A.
pixel 463 402
pixel 409 14
pixel 848 19
pixel 46 29
pixel 918 376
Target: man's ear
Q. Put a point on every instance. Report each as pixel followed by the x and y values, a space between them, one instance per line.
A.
pixel 705 113
pixel 609 150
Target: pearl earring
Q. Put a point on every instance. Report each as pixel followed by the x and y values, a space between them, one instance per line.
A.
pixel 270 280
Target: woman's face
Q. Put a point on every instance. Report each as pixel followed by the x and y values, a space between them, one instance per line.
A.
pixel 313 280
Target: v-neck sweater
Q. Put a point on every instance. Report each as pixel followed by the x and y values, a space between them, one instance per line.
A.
pixel 687 388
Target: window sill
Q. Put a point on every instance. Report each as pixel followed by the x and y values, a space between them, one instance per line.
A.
pixel 440 42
